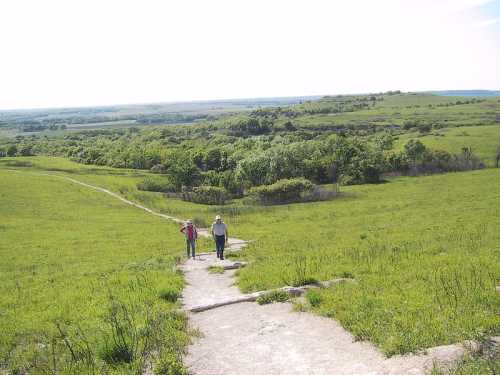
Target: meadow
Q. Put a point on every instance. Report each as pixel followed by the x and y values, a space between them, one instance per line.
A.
pixel 88 283
pixel 483 140
pixel 396 110
pixel 424 252
pixel 80 267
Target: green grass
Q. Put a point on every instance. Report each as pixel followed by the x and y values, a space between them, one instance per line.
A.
pixel 273 296
pixel 424 252
pixel 83 279
pixel 484 140
pixel 488 365
pixel 122 181
pixel 216 269
pixel 398 109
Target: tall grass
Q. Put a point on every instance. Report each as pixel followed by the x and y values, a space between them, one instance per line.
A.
pixel 81 280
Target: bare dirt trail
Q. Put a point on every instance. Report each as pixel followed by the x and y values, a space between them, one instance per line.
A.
pixel 249 339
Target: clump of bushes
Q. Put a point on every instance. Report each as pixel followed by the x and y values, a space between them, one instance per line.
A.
pixel 212 195
pixel 273 296
pixel 157 184
pixel 283 191
pixel 416 160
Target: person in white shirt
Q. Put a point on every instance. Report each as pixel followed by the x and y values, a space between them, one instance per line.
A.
pixel 220 236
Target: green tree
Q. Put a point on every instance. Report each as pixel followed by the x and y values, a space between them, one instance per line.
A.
pixel 12 150
pixel 414 149
pixel 182 170
pixel 384 141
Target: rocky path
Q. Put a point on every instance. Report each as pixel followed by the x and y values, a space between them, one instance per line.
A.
pixel 249 339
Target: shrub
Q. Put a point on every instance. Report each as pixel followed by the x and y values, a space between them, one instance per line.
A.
pixel 283 191
pixel 206 195
pixel 157 184
pixel 170 364
pixel 115 353
pixel 439 161
pixel 169 294
pixel 273 296
pixel 314 297
pixel 12 150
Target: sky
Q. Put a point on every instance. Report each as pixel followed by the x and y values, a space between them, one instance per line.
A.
pixel 59 53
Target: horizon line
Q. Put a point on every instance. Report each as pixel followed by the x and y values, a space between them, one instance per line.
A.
pixel 228 99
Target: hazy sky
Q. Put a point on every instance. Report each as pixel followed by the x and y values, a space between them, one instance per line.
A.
pixel 56 53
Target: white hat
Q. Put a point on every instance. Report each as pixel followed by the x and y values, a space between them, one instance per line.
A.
pixel 188 221
pixel 218 217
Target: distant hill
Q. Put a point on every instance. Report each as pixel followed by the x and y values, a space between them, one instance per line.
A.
pixel 136 114
pixel 466 93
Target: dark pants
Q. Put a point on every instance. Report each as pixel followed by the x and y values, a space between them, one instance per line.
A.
pixel 190 245
pixel 220 241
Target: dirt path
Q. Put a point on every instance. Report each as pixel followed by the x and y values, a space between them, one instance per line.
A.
pixel 248 339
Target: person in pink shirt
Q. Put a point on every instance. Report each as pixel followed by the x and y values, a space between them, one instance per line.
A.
pixel 191 234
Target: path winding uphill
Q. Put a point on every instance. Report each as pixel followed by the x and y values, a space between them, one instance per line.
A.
pixel 242 337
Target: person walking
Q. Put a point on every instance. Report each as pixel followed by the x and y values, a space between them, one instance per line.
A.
pixel 191 234
pixel 220 236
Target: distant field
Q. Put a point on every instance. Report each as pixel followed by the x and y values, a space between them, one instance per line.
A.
pixel 80 264
pixel 136 114
pixel 398 109
pixel 484 140
pixel 424 251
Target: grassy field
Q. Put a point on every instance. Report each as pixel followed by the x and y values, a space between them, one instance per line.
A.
pixel 87 282
pixel 424 251
pixel 484 140
pixel 398 109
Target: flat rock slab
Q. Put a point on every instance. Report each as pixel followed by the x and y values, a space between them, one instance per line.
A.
pixel 204 288
pixel 250 339
pixel 247 338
